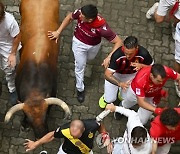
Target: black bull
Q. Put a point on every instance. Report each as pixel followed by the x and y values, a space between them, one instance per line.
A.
pixel 36 78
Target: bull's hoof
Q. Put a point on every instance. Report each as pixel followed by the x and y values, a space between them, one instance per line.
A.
pixel 24 129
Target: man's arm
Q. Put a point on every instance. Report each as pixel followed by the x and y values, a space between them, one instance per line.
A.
pixel 142 103
pixel 30 145
pixel 117 43
pixel 55 34
pixel 102 128
pixel 111 78
pixel 12 56
pixel 105 138
pixel 154 146
pixel 16 42
pixel 121 110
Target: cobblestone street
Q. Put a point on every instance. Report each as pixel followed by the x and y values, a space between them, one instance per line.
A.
pixel 125 17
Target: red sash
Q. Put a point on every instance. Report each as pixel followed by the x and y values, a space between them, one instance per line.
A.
pixel 174 8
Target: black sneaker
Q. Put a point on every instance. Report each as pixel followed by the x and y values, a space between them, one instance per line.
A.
pixel 13 98
pixel 80 96
pixel 118 116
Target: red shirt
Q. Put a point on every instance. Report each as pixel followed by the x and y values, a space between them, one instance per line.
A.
pixel 120 64
pixel 162 134
pixel 91 33
pixel 144 87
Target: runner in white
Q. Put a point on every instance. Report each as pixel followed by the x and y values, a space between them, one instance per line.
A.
pixel 9 45
pixel 136 139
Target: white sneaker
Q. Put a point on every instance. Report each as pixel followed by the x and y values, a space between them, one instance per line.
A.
pixel 151 11
pixel 177 88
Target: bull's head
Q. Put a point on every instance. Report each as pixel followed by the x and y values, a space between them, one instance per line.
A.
pixel 36 113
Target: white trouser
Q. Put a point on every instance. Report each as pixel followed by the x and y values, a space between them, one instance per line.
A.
pixel 82 53
pixel 177 51
pixel 164 149
pixel 131 99
pixel 62 152
pixel 110 90
pixel 118 148
pixel 164 6
pixel 9 73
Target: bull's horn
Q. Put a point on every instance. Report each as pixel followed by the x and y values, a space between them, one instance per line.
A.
pixel 59 102
pixel 12 110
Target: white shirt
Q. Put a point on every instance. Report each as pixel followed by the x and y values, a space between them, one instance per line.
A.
pixel 133 121
pixel 8 30
pixel 177 32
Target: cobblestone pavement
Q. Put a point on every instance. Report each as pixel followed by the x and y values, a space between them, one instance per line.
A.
pixel 126 17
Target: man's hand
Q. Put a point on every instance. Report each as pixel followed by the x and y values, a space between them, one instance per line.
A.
pixel 106 62
pixel 111 107
pixel 109 148
pixel 107 142
pixel 53 35
pixel 137 66
pixel 12 60
pixel 124 85
pixel 30 145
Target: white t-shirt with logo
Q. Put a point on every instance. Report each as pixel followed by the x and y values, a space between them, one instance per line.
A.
pixel 8 30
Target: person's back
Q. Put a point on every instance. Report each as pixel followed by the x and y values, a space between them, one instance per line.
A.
pixel 165 130
pixel 9 45
pixel 136 138
pixel 8 30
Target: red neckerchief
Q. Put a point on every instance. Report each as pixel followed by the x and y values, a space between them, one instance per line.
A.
pixel 174 8
pixel 97 22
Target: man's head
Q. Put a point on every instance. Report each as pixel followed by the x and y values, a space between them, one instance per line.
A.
pixel 130 47
pixel 77 128
pixel 88 13
pixel 2 11
pixel 170 118
pixel 138 136
pixel 158 74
